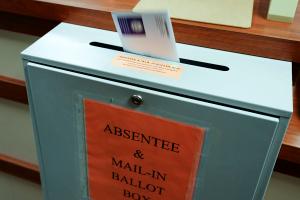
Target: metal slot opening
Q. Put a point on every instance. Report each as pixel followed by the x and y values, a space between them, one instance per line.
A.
pixel 182 60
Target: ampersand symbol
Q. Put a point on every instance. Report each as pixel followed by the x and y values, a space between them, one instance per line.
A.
pixel 138 154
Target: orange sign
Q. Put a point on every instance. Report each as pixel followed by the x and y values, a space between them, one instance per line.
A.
pixel 133 155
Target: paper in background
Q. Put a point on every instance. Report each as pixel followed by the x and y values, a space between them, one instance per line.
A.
pixel 225 12
pixel 147 33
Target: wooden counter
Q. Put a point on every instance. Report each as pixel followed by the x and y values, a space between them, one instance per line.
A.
pixel 265 38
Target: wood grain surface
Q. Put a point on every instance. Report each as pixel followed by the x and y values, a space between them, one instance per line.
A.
pixel 20 168
pixel 290 149
pixel 266 38
pixel 13 89
pixel 26 24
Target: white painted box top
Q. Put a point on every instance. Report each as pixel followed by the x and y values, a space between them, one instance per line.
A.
pixel 253 83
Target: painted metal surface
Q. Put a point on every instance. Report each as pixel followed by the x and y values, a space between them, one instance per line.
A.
pixel 245 110
pixel 263 84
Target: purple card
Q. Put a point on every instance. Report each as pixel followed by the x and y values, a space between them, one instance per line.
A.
pixel 131 25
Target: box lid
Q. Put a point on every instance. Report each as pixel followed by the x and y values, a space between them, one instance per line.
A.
pixel 252 83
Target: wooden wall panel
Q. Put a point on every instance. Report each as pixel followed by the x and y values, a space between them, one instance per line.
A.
pixel 13 89
pixel 26 24
pixel 20 168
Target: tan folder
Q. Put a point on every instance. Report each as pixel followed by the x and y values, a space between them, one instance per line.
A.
pixel 225 12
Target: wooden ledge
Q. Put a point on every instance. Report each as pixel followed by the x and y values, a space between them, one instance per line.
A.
pixel 290 150
pixel 20 168
pixel 265 38
pixel 13 89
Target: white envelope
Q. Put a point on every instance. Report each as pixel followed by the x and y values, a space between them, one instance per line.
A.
pixel 147 33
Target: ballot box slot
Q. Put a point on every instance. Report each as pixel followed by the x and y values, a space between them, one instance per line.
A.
pixel 182 60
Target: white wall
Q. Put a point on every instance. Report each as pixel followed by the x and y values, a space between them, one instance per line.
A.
pixel 11 45
pixel 283 187
pixel 14 188
pixel 16 137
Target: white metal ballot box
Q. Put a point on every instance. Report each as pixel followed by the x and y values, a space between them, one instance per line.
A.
pixel 111 125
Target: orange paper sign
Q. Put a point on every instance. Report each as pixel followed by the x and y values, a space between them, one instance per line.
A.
pixel 133 155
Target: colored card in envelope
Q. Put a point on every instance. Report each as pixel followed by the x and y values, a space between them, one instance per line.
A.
pixel 147 33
